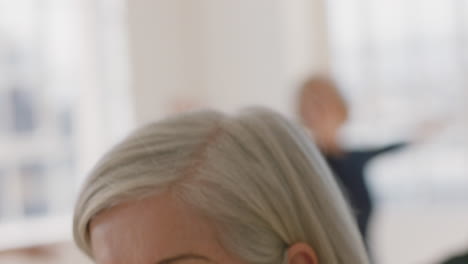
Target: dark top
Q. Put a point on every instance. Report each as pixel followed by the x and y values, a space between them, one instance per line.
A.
pixel 349 169
pixel 463 259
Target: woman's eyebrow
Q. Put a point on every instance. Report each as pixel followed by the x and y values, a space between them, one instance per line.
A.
pixel 183 257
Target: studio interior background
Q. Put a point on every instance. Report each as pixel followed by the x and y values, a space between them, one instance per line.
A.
pixel 77 75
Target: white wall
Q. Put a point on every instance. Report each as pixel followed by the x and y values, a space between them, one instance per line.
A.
pixel 220 53
pixel 104 104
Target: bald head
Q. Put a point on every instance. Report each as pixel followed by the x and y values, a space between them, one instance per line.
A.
pixel 322 109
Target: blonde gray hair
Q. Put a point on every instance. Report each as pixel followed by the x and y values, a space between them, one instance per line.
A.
pixel 256 174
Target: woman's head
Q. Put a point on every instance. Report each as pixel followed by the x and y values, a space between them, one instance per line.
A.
pixel 322 109
pixel 244 189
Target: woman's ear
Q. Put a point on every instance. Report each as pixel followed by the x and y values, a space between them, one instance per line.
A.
pixel 301 253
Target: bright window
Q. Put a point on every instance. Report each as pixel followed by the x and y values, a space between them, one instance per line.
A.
pixel 62 101
pixel 403 66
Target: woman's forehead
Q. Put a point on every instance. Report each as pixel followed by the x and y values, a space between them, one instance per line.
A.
pixel 149 229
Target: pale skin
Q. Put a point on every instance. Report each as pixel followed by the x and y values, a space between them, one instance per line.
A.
pixel 163 230
pixel 324 112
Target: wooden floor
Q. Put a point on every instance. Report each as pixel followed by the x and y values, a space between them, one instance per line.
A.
pixel 57 254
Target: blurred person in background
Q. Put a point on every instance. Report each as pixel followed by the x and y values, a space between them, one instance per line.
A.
pixel 458 260
pixel 205 187
pixel 324 111
pixel 461 259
